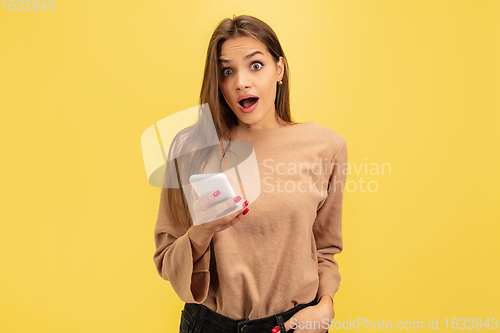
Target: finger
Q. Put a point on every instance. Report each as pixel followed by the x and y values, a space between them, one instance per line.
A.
pixel 225 207
pixel 231 219
pixel 235 216
pixel 213 210
pixel 277 330
pixel 195 195
pixel 287 325
pixel 221 211
pixel 244 207
pixel 205 200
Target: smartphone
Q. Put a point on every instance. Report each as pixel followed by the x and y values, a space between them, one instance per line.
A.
pixel 206 183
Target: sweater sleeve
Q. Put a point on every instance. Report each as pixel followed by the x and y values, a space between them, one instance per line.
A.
pixel 327 227
pixel 174 257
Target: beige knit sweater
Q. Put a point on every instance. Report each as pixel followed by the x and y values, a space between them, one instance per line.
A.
pixel 282 253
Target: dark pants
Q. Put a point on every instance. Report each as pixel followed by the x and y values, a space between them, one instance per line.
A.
pixel 197 318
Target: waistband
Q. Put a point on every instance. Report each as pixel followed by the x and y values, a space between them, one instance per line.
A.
pixel 232 325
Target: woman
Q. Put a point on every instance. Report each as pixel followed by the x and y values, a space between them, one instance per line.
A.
pixel 268 266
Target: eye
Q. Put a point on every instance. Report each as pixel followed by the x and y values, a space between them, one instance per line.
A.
pixel 258 68
pixel 223 71
pixel 257 63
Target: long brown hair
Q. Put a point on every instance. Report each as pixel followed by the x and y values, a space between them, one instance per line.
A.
pixel 221 116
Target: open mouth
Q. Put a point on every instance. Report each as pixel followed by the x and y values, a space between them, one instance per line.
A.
pixel 248 102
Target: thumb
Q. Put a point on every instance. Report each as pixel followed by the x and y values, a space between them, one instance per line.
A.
pixel 291 323
pixel 287 327
pixel 277 330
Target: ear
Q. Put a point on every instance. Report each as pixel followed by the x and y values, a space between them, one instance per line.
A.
pixel 281 67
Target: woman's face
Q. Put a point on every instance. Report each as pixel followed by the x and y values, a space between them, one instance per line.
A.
pixel 246 67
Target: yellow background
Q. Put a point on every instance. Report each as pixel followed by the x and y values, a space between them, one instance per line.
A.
pixel 410 83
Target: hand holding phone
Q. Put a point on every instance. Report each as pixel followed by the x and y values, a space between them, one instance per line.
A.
pixel 206 183
pixel 214 198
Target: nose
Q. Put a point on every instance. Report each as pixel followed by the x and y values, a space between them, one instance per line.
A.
pixel 242 80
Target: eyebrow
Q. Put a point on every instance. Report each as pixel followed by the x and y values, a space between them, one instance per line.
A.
pixel 244 58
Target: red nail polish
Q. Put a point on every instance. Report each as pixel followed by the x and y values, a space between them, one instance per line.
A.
pixel 245 204
pixel 216 193
pixel 245 211
pixel 276 330
pixel 238 198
